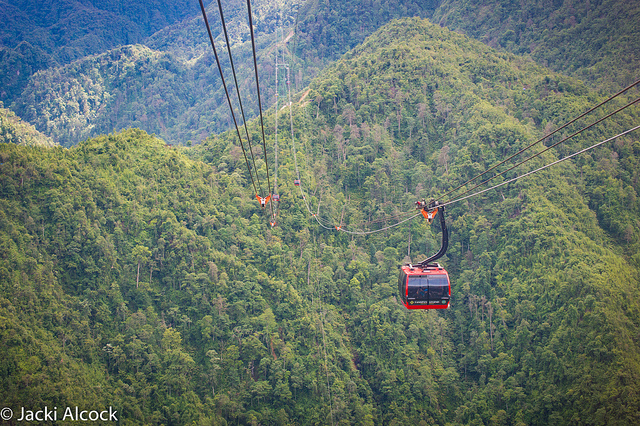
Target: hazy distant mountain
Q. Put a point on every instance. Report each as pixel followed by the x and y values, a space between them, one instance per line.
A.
pixel 14 130
pixel 597 42
pixel 37 35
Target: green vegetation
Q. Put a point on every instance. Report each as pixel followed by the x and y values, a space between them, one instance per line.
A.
pixel 38 35
pixel 325 30
pixel 594 41
pixel 117 89
pixel 146 277
pixel 172 89
pixel 14 130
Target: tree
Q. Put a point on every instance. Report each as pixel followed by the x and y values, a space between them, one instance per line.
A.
pixel 140 254
pixel 214 360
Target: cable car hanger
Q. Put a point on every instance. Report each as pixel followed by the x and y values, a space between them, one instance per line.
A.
pixel 429 212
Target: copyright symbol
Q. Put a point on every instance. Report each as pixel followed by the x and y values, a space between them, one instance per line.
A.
pixel 6 413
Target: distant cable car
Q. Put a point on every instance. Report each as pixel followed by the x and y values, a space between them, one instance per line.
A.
pixel 263 200
pixel 426 285
pixel 296 182
pixel 276 197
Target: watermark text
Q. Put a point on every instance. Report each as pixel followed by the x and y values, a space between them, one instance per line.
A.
pixel 52 414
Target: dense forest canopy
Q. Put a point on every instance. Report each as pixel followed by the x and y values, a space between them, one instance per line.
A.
pixel 146 277
pixel 37 35
pixel 596 41
pixel 52 64
pixel 14 130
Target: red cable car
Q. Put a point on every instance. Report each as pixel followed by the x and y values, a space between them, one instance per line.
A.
pixel 276 197
pixel 296 182
pixel 426 285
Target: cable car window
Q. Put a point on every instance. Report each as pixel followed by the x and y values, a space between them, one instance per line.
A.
pixel 438 286
pixel 418 288
pixel 401 282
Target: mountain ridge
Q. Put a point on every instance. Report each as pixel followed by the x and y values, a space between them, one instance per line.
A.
pixel 14 130
pixel 548 33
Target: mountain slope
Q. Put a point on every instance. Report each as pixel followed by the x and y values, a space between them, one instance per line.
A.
pixel 152 273
pixel 14 130
pixel 594 41
pixel 172 89
pixel 37 35
pixel 109 91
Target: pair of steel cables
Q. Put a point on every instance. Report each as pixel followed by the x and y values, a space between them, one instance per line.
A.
pixel 276 197
pixel 461 196
pixel 466 194
pixel 405 217
pixel 271 195
pixel 257 187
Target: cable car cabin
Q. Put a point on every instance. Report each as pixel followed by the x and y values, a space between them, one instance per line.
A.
pixel 296 182
pixel 276 197
pixel 424 287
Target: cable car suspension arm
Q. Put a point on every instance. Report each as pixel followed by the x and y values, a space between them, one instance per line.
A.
pixel 429 211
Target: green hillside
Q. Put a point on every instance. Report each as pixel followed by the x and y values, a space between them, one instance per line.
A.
pixel 114 90
pixel 593 41
pixel 169 85
pixel 38 35
pixel 14 130
pixel 180 100
pixel 325 30
pixel 146 277
pixel 596 41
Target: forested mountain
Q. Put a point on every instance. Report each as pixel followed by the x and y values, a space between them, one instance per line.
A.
pixel 169 85
pixel 36 35
pixel 596 41
pixel 325 30
pixel 14 130
pixel 128 86
pixel 146 277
